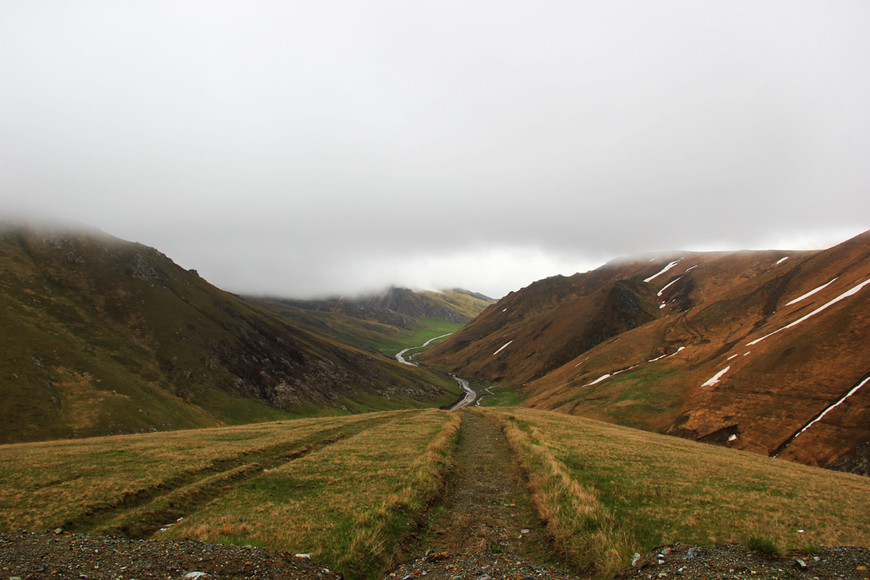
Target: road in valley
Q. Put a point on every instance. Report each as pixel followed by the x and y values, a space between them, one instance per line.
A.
pixel 401 358
pixel 470 394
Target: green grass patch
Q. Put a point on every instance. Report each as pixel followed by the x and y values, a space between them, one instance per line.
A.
pixel 498 396
pixel 429 329
pixel 763 546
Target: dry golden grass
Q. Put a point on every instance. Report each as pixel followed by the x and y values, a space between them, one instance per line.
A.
pixel 577 522
pixel 623 490
pixel 348 504
pixel 47 484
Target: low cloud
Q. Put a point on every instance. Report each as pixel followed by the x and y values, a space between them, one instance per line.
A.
pixel 331 148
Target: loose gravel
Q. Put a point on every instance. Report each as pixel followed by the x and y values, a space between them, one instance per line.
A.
pixel 50 555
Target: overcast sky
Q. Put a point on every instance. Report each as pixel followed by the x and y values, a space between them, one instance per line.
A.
pixel 301 148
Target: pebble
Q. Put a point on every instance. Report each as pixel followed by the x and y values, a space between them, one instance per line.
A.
pixel 800 564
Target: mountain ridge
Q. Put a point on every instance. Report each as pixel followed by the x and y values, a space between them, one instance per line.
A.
pixel 722 353
pixel 105 336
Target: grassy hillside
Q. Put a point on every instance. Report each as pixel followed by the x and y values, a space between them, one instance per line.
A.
pixel 608 491
pixel 349 489
pixel 383 323
pixel 103 336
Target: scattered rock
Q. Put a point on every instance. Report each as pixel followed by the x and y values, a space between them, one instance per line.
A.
pixel 476 566
pixel 800 564
pixel 737 561
pixel 43 555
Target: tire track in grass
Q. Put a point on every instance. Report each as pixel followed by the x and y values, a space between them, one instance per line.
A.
pixel 349 505
pixel 166 509
pixel 488 514
pixel 178 495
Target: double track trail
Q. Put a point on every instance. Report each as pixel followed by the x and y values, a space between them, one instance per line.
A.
pixel 487 523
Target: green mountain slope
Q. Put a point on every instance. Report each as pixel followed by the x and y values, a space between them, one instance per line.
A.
pixel 384 323
pixel 103 336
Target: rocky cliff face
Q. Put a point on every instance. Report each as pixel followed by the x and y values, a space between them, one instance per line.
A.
pixel 763 351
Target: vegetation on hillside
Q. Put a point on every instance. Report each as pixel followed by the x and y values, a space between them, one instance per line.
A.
pixel 608 491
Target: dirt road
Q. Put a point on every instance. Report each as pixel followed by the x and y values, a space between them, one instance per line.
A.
pixel 487 524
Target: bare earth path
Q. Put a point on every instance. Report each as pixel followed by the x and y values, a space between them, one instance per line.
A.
pixel 487 525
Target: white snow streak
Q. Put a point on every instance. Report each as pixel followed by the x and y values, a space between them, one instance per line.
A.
pixel 780 261
pixel 668 285
pixel 845 294
pixel 667 355
pixel 715 378
pixel 502 348
pixel 811 292
pixel 837 404
pixel 732 356
pixel 598 380
pixel 662 271
pixel 690 269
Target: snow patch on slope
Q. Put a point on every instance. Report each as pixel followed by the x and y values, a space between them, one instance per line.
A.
pixel 598 380
pixel 502 348
pixel 811 292
pixel 715 378
pixel 854 390
pixel 846 294
pixel 664 356
pixel 668 285
pixel 662 271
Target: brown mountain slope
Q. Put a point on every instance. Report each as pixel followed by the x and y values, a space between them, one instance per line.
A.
pixel 104 336
pixel 733 355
